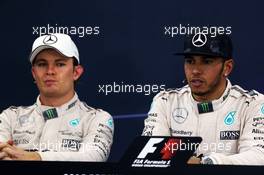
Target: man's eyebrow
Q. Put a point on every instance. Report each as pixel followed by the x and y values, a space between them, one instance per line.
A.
pixel 61 59
pixel 39 59
pixel 57 60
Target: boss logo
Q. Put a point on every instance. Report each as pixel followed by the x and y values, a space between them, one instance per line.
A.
pixel 229 135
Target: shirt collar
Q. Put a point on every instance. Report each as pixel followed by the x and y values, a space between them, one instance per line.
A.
pixel 210 106
pixel 49 112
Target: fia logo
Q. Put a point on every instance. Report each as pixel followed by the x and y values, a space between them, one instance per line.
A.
pixel 229 119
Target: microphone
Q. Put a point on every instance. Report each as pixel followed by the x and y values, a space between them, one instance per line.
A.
pixel 183 81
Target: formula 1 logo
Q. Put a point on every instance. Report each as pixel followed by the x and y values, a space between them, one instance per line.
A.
pixel 149 147
pixel 199 39
pixel 161 152
pixel 158 152
pixel 50 39
pixel 169 150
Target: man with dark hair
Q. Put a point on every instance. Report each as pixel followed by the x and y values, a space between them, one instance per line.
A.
pixel 58 126
pixel 229 119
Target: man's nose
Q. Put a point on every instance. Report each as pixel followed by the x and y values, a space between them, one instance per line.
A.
pixel 51 70
pixel 197 69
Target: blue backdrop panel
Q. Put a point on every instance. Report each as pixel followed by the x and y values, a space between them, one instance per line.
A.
pixel 125 43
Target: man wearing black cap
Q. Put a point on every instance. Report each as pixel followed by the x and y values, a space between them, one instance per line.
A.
pixel 58 126
pixel 228 118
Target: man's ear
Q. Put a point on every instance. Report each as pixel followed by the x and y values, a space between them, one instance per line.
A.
pixel 228 67
pixel 78 70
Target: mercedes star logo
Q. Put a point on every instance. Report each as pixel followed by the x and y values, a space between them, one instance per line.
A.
pixel 50 39
pixel 199 39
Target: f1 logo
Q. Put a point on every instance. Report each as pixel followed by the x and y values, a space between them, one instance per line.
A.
pixel 149 148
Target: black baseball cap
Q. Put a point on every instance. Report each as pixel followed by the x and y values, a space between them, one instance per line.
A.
pixel 219 45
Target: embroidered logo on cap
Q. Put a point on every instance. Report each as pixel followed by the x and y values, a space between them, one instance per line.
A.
pixel 199 39
pixel 50 39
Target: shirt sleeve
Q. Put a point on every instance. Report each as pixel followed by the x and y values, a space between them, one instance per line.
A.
pixel 5 125
pixel 251 141
pixel 96 143
pixel 156 123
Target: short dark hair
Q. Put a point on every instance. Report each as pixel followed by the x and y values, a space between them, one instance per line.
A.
pixel 75 62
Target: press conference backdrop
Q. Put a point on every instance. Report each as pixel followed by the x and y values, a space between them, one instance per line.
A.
pixel 127 50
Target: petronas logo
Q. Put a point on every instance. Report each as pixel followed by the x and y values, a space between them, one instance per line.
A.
pixel 229 119
pixel 262 109
pixel 75 122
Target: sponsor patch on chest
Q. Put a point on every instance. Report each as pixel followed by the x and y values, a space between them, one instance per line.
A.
pixel 71 144
pixel 229 135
